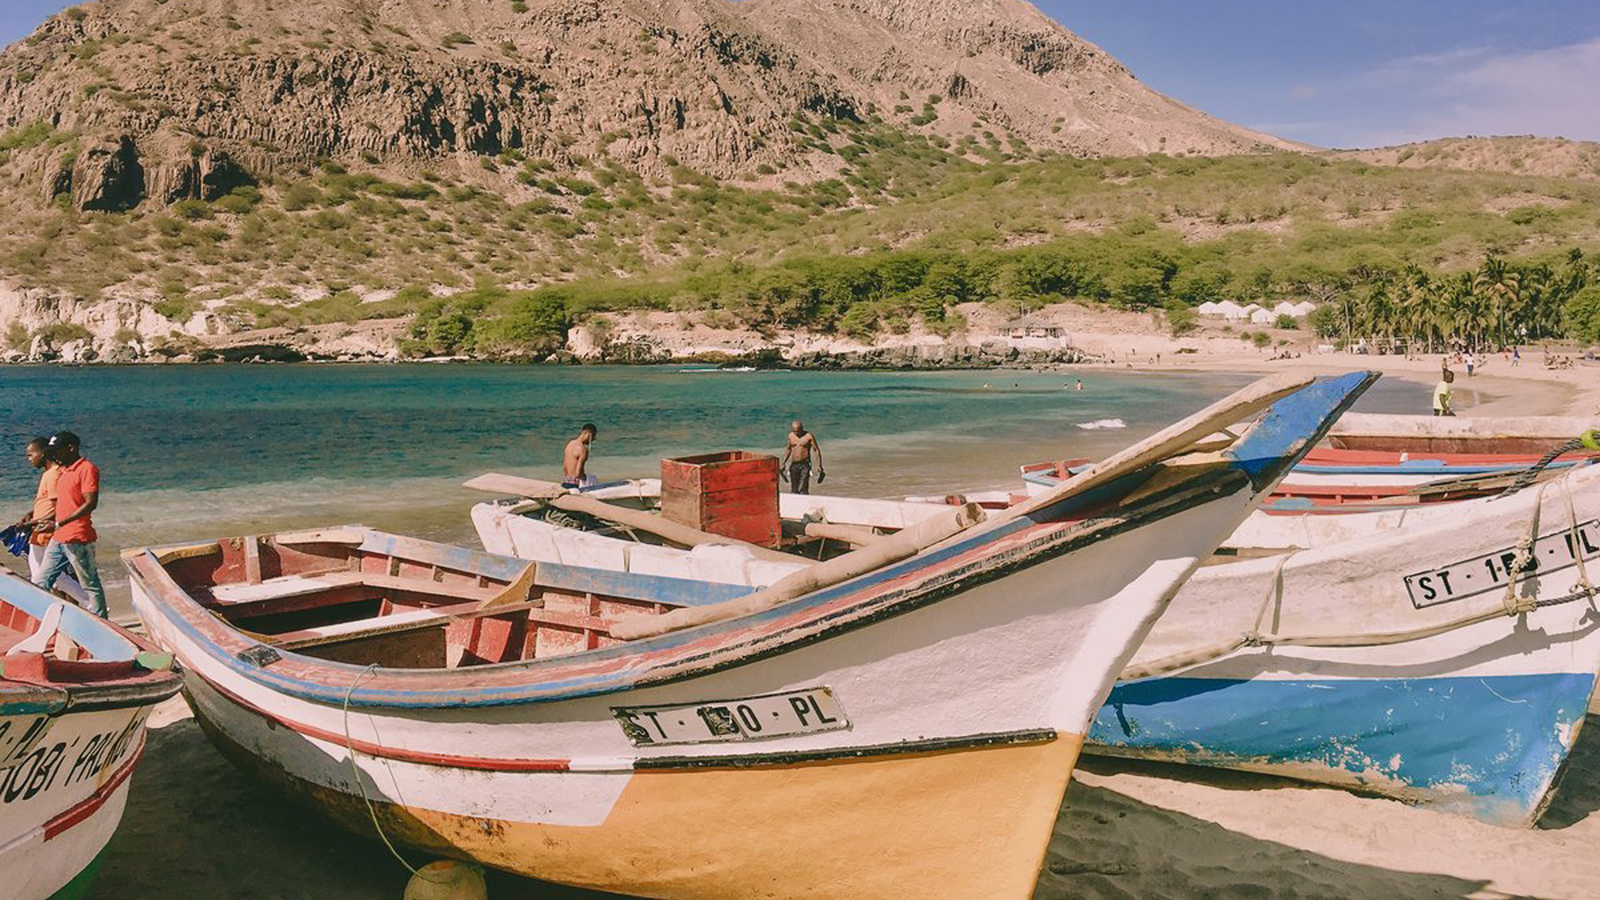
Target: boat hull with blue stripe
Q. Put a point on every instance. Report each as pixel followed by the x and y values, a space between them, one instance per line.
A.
pixel 1449 663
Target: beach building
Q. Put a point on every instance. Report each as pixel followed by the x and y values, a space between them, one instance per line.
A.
pixel 1036 333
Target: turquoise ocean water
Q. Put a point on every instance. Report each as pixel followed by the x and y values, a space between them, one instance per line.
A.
pixel 205 451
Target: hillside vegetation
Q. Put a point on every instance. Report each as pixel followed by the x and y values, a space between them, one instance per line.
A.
pixel 242 164
pixel 311 247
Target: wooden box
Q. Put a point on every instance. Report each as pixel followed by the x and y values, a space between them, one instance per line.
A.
pixel 734 494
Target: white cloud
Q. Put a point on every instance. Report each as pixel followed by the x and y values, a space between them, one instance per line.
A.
pixel 1479 91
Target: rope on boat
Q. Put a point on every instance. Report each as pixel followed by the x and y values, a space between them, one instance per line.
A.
pixel 355 771
pixel 1530 474
pixel 1512 606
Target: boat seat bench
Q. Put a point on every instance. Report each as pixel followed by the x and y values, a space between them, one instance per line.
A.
pixel 418 619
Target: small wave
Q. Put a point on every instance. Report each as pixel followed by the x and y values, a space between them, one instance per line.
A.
pixel 1098 424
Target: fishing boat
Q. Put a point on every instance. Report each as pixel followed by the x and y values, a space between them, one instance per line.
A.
pixel 1449 663
pixel 1528 435
pixel 900 720
pixel 817 527
pixel 75 691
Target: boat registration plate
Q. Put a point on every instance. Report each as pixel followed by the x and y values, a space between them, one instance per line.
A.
pixel 1470 577
pixel 745 719
pixel 19 735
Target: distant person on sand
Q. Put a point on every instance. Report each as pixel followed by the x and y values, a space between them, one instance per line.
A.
pixel 72 539
pixel 1441 394
pixel 797 458
pixel 575 461
pixel 1472 362
pixel 1516 356
pixel 42 517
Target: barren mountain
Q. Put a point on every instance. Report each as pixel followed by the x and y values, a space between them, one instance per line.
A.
pixel 136 99
pixel 1523 155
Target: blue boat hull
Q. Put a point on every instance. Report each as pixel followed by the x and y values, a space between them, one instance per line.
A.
pixel 1490 747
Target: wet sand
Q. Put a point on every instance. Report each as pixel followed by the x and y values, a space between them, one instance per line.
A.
pixel 197 827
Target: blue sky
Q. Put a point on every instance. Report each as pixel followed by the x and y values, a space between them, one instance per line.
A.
pixel 1342 73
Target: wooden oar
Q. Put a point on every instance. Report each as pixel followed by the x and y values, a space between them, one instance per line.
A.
pixel 888 549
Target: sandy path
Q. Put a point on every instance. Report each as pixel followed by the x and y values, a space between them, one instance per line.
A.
pixel 196 827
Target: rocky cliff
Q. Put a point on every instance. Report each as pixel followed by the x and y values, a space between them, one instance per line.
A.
pixel 172 169
pixel 171 100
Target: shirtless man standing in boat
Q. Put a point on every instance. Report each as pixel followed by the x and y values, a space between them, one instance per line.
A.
pixel 576 458
pixel 797 458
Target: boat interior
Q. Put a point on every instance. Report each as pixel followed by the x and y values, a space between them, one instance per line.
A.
pixel 354 596
pixel 44 640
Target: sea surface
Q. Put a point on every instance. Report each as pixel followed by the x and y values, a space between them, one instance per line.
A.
pixel 194 452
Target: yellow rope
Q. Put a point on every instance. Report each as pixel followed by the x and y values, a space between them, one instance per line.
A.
pixel 355 771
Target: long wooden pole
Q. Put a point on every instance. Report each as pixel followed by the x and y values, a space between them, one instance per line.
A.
pixel 888 549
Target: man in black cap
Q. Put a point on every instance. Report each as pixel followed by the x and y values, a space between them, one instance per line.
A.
pixel 73 536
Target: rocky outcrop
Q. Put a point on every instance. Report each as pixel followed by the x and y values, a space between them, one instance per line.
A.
pixel 108 176
pixel 948 356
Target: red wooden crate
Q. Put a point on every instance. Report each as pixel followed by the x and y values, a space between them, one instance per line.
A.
pixel 734 494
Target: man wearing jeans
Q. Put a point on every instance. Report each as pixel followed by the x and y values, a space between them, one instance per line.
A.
pixel 72 541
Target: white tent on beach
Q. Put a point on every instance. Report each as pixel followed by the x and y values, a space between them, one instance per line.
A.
pixel 1229 310
pixel 1287 309
pixel 1263 317
pixel 1208 308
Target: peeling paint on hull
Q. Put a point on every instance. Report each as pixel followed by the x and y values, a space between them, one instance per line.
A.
pixel 1486 746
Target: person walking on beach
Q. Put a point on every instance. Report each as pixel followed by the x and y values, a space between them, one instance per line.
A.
pixel 575 461
pixel 1441 394
pixel 73 537
pixel 41 518
pixel 1472 362
pixel 797 458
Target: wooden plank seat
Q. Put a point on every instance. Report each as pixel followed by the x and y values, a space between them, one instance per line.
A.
pixel 439 616
pixel 284 587
pixel 292 586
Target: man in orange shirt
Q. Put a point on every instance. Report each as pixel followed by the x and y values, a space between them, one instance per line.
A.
pixel 72 540
pixel 43 515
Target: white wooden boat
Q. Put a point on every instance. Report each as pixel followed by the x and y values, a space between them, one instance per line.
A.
pixel 1433 663
pixel 1453 434
pixel 513 527
pixel 74 694
pixel 880 725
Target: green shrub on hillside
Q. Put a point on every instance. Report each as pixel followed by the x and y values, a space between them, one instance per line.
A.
pixel 59 333
pixel 1181 319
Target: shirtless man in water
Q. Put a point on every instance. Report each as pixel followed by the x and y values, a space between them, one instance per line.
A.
pixel 797 458
pixel 577 457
